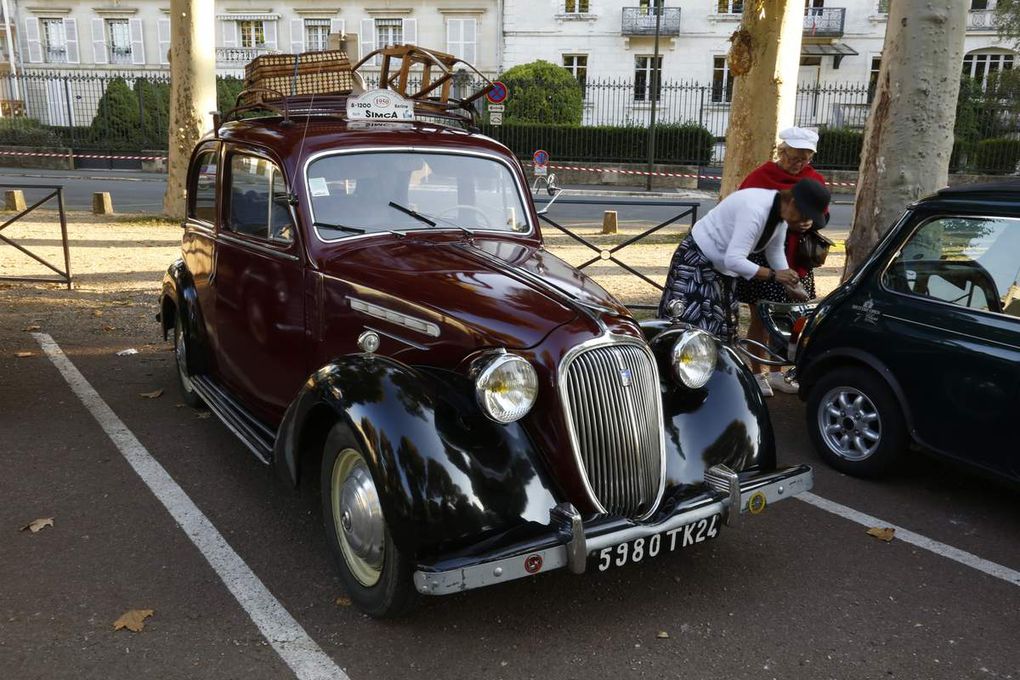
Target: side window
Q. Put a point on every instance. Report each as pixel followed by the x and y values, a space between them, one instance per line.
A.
pixel 968 261
pixel 203 202
pixel 258 200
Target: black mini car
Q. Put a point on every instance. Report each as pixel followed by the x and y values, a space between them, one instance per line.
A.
pixel 922 343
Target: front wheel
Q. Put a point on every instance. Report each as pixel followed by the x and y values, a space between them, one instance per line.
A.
pixel 376 575
pixel 191 397
pixel 855 422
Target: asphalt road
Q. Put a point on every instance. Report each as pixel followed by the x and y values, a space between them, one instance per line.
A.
pixel 798 592
pixel 143 192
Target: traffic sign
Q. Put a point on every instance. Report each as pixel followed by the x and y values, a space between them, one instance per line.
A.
pixel 541 157
pixel 498 93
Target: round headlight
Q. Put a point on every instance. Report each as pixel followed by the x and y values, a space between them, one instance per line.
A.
pixel 507 388
pixel 694 356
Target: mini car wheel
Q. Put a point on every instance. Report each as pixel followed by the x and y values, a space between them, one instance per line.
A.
pixel 855 422
pixel 375 573
pixel 191 397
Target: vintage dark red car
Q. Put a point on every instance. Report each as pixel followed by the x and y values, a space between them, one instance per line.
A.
pixel 369 307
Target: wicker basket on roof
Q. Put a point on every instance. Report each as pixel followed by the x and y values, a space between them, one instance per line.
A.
pixel 307 73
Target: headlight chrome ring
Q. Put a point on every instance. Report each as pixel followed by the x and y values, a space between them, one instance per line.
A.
pixel 507 388
pixel 694 357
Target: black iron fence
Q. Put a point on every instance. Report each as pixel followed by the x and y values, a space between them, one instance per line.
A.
pixel 129 112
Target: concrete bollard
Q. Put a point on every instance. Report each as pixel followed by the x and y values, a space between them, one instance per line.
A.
pixel 609 224
pixel 14 199
pixel 102 204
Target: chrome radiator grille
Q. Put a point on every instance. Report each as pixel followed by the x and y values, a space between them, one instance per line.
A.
pixel 612 394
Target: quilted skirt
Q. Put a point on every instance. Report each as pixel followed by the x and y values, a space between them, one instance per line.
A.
pixel 709 297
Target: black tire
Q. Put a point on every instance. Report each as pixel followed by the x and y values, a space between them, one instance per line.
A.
pixel 381 585
pixel 181 343
pixel 855 422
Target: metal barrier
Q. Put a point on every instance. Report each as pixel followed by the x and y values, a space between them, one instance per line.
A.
pixel 608 255
pixel 64 276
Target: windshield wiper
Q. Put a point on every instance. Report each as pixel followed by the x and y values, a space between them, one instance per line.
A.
pixel 418 216
pixel 339 227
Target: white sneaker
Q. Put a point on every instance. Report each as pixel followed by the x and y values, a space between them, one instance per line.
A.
pixel 763 385
pixel 779 382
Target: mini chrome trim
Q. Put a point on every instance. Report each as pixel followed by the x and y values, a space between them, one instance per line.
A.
pixel 265 250
pixel 521 193
pixel 959 333
pixel 398 338
pixel 405 320
pixel 607 340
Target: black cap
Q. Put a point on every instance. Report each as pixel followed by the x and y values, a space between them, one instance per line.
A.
pixel 812 200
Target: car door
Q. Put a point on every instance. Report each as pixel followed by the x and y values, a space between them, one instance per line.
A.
pixel 953 315
pixel 259 287
pixel 198 244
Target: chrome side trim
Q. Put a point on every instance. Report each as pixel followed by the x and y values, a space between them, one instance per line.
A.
pixel 407 321
pixel 265 250
pixel 950 331
pixel 394 336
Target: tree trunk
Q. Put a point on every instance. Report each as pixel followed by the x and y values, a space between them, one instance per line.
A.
pixel 909 136
pixel 192 92
pixel 765 60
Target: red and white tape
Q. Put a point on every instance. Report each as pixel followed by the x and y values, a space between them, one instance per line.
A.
pixel 41 154
pixel 646 173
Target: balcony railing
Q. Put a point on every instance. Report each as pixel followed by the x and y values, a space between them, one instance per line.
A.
pixel 824 22
pixel 981 20
pixel 641 21
pixel 239 55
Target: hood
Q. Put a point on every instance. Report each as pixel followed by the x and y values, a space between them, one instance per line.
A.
pixel 510 293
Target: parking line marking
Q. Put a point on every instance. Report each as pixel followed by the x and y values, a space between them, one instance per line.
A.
pixel 907 536
pixel 284 633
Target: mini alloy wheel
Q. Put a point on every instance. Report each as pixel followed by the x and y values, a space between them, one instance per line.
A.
pixel 849 423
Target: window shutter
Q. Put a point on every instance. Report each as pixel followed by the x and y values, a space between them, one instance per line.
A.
pixel 366 41
pixel 410 31
pixel 164 41
pixel 297 35
pixel 270 27
pixel 337 27
pixel 230 34
pixel 71 37
pixel 137 41
pixel 470 31
pixel 99 54
pixel 35 55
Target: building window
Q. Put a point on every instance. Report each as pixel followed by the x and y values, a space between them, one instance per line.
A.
pixel 643 74
pixel 814 4
pixel 651 7
pixel 253 33
pixel 876 65
pixel 722 81
pixel 118 41
pixel 575 6
pixel 461 38
pixel 978 4
pixel 389 32
pixel 54 41
pixel 731 6
pixel 980 66
pixel 577 64
pixel 883 6
pixel 316 35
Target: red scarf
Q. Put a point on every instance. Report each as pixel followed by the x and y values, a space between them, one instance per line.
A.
pixel 770 176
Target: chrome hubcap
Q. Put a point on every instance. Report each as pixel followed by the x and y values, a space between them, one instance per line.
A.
pixel 850 424
pixel 358 518
pixel 181 353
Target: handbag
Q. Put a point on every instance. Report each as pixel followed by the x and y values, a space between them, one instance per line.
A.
pixel 812 249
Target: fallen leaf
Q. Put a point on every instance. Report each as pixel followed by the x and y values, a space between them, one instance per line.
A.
pixel 97 313
pixel 151 395
pixel 23 355
pixel 127 352
pixel 882 533
pixel 133 620
pixel 663 635
pixel 36 525
pixel 109 328
pixel 343 601
pixel 33 327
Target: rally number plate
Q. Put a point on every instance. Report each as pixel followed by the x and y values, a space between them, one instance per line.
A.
pixel 648 547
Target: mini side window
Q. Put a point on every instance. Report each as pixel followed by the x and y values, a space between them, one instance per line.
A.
pixel 973 262
pixel 204 193
pixel 258 200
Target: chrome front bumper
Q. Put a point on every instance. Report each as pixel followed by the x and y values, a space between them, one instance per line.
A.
pixel 572 541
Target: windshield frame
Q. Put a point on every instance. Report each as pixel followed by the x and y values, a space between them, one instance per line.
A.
pixel 522 194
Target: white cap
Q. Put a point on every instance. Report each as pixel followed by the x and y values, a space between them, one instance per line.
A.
pixel 800 138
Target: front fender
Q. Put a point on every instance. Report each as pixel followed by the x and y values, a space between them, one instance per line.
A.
pixel 446 474
pixel 179 297
pixel 726 421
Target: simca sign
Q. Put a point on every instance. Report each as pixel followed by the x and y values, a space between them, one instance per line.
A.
pixel 381 105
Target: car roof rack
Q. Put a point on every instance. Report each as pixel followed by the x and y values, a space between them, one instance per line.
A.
pixel 319 83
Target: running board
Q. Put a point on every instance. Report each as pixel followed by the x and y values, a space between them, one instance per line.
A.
pixel 238 420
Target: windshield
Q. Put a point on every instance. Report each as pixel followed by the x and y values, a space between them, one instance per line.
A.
pixel 381 191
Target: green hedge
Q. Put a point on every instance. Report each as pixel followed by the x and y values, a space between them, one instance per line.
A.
pixel 839 148
pixel 996 156
pixel 686 144
pixel 27 132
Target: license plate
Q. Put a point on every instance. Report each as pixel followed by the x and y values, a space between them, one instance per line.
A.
pixel 648 547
